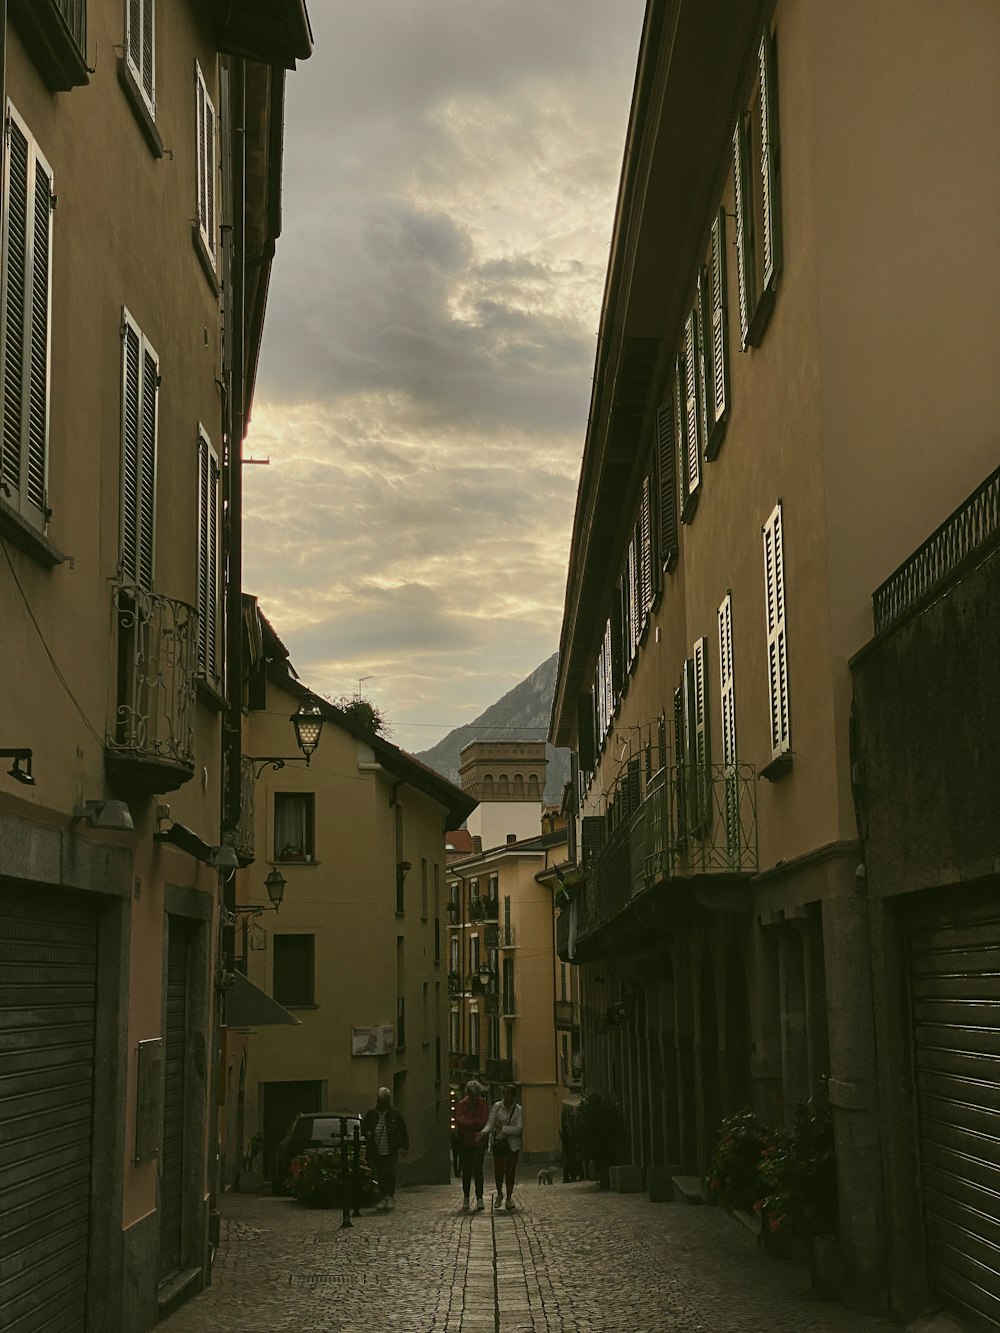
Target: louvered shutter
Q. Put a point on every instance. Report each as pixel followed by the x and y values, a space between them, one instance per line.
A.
pixel 701 794
pixel 633 602
pixel 27 226
pixel 140 379
pixel 680 784
pixel 777 651
pixel 140 47
pixel 208 558
pixel 703 334
pixel 666 465
pixel 646 550
pixel 692 457
pixel 744 244
pixel 585 729
pixel 720 334
pixel 769 165
pixel 205 122
pixel 618 626
pixel 727 699
pixel 592 837
pixel 611 701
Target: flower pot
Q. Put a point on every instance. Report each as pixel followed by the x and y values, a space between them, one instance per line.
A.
pixel 827 1270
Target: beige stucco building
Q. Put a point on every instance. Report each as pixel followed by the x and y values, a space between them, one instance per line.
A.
pixel 793 387
pixel 357 951
pixel 136 249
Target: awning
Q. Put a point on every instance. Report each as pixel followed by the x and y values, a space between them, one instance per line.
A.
pixel 248 1007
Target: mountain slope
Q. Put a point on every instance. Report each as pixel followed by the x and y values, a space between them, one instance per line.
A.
pixel 522 714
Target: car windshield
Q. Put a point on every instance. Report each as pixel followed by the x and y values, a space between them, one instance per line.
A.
pixel 324 1129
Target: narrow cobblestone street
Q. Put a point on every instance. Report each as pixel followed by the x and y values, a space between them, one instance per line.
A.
pixel 570 1258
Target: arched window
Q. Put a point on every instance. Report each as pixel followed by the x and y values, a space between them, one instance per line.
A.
pixel 503 787
pixel 487 792
pixel 518 787
pixel 533 787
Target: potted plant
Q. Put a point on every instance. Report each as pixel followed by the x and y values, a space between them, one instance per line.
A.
pixel 801 1198
pixel 598 1126
pixel 318 1179
pixel 735 1178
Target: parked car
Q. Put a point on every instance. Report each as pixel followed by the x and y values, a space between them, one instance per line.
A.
pixel 309 1130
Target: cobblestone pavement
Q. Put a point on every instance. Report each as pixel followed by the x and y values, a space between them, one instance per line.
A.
pixel 570 1258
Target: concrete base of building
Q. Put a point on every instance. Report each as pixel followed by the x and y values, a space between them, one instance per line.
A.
pixel 628 1179
pixel 687 1189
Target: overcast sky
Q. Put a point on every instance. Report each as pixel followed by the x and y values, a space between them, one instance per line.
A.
pixel 450 176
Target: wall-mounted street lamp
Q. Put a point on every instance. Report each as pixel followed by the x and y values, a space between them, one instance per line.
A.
pixel 275 885
pixel 19 774
pixel 308 723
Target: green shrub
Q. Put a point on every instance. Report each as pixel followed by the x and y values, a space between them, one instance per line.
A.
pixel 800 1176
pixel 736 1169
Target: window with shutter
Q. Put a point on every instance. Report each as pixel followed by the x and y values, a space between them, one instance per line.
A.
pixel 777 647
pixel 727 697
pixel 140 388
pixel 690 450
pixel 680 769
pixel 140 48
pixel 756 179
pixel 585 728
pixel 666 471
pixel 26 305
pixel 609 696
pixel 632 590
pixel 619 631
pixel 701 750
pixel 719 338
pixel 646 551
pixel 208 558
pixel 205 123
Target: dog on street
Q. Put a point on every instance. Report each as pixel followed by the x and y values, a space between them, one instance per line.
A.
pixel 545 1176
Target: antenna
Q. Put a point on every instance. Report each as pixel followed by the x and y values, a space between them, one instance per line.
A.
pixel 361 681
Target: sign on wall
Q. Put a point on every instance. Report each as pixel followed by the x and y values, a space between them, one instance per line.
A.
pixel 372 1041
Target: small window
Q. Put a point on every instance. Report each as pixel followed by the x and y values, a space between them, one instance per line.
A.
pixel 756 182
pixel 293 826
pixel 424 887
pixel 473 1034
pixel 293 980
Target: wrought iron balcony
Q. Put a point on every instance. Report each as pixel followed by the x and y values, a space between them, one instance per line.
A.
pixel 567 1014
pixel 562 934
pixel 974 523
pixel 150 741
pixel 500 1071
pixel 507 940
pixel 483 909
pixel 242 838
pixel 491 936
pixel 682 823
pixel 55 32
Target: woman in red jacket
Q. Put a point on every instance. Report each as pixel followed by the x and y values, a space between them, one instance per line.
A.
pixel 471 1114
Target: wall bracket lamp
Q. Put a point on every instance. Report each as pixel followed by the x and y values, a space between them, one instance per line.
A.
pixel 308 723
pixel 275 885
pixel 19 774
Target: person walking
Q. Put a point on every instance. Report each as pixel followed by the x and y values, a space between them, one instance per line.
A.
pixel 385 1133
pixel 471 1115
pixel 503 1130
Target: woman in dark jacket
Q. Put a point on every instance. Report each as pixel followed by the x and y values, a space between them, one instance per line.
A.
pixel 386 1136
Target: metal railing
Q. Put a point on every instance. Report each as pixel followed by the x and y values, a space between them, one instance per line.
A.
pixel 686 820
pixel 507 938
pixel 483 909
pixel 74 15
pixel 567 1014
pixel 508 1003
pixel 242 838
pixel 499 1071
pixel 973 522
pixel 157 663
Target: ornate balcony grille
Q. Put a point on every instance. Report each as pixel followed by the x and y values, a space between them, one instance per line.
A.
pixel 152 727
pixel 567 1014
pixel 506 937
pixel 677 823
pixel 242 838
pixel 971 525
pixel 500 1071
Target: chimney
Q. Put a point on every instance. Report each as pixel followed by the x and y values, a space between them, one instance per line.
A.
pixel 477 844
pixel 511 837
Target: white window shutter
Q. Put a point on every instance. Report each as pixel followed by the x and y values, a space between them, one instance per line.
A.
pixel 703 331
pixel 666 469
pixel 609 695
pixel 140 388
pixel 770 197
pixel 205 148
pixel 777 649
pixel 147 465
pixel 727 696
pixel 633 603
pixel 27 241
pixel 701 787
pixel 744 262
pixel 140 48
pixel 692 457
pixel 720 339
pixel 208 557
pixel 646 550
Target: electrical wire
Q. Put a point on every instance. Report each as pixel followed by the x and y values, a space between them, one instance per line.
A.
pixel 48 653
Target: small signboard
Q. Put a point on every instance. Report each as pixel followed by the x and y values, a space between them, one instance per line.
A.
pixel 149 1100
pixel 372 1041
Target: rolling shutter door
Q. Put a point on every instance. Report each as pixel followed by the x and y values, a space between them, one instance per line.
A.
pixel 172 1153
pixel 48 991
pixel 955 972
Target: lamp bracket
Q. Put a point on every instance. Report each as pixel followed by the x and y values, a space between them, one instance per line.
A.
pixel 247 912
pixel 20 756
pixel 274 761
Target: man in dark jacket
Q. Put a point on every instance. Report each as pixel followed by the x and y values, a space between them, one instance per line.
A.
pixel 385 1133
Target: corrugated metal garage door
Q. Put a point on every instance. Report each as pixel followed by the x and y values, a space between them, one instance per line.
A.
pixel 175 1052
pixel 956 1006
pixel 48 990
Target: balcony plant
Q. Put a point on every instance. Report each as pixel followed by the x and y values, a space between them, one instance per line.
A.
pixel 318 1179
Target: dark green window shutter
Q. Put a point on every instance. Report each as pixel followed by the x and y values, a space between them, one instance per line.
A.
pixel 680 783
pixel 18 277
pixel 744 239
pixel 140 386
pixel 701 743
pixel 585 729
pixel 769 166
pixel 703 335
pixel 719 336
pixel 666 465
pixel 592 837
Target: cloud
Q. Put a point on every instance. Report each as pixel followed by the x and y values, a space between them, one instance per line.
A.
pixel 425 374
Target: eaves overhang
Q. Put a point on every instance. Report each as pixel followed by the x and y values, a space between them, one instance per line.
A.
pixel 693 60
pixel 272 32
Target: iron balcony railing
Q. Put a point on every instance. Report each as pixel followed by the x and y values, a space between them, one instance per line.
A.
pixel 499 1071
pixel 681 821
pixel 157 664
pixel 973 523
pixel 242 837
pixel 562 933
pixel 74 15
pixel 508 1003
pixel 507 938
pixel 483 909
pixel 567 1014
